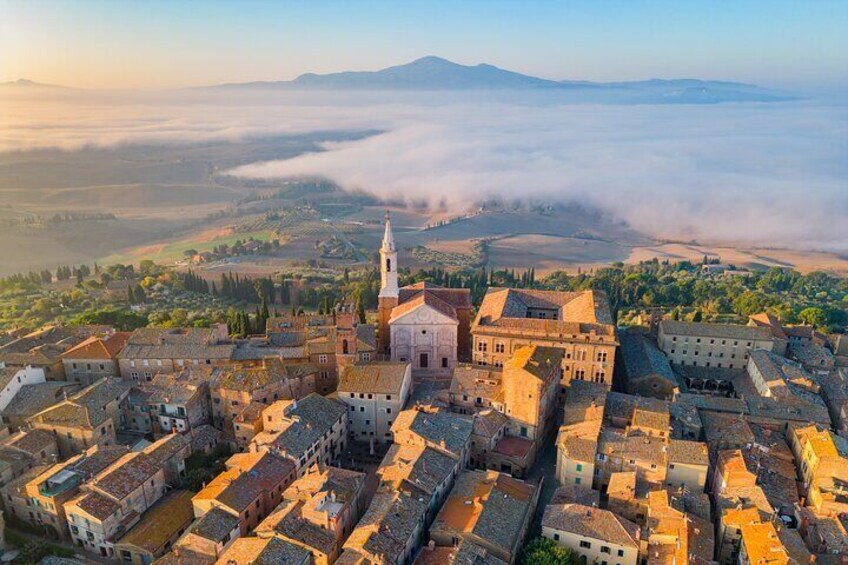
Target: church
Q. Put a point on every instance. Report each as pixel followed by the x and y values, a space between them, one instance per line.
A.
pixel 423 324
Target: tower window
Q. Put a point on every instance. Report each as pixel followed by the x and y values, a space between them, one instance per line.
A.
pixel 388 265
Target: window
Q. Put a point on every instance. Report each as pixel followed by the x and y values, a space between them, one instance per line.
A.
pixel 577 480
pixel 621 553
pixel 605 549
pixel 322 359
pixel 523 431
pixel 444 362
pixel 388 397
pixel 482 346
pixel 602 356
pixel 556 537
pixel 388 410
pixel 585 545
pixel 579 467
pixel 366 356
pixel 500 347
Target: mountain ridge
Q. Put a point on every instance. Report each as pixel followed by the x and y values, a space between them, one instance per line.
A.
pixel 432 73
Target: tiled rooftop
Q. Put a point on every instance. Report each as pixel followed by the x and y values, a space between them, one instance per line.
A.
pixel 444 429
pixel 592 523
pixel 491 505
pixel 382 377
pixel 161 522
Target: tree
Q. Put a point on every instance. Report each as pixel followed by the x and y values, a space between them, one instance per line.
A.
pixel 698 316
pixel 544 551
pixel 360 309
pixel 813 316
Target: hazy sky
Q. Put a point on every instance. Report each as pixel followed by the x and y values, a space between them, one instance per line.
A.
pixel 799 44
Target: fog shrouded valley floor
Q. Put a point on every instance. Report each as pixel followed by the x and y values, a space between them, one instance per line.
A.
pixel 569 176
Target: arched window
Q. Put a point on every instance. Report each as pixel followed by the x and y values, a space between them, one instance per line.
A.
pixel 344 347
pixel 388 265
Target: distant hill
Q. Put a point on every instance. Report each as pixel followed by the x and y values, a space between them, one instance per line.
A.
pixel 435 73
pixel 23 83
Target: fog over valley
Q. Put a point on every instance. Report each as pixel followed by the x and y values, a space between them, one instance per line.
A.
pixel 766 174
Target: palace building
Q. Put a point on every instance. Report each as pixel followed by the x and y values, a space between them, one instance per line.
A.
pixel 422 324
pixel 579 323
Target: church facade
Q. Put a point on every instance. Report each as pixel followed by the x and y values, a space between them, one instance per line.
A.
pixel 422 324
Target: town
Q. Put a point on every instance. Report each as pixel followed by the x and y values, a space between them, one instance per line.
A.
pixel 529 427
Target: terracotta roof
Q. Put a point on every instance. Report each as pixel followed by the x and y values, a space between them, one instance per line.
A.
pixel 762 544
pixel 464 553
pixel 590 522
pixel 127 474
pixel 415 469
pixel 287 521
pixel 688 452
pixel 514 446
pixel 248 376
pixel 383 377
pixel 387 527
pixel 215 525
pixel 537 360
pixel 476 381
pixel 505 304
pixel 425 298
pixel 86 408
pixel 32 441
pixel 270 551
pixel 176 343
pixel 719 331
pixel 161 522
pixel 459 298
pixel 249 476
pixel 642 359
pixel 446 430
pixel 305 422
pixel 493 506
pixel 95 504
pixel 487 423
pixel 97 347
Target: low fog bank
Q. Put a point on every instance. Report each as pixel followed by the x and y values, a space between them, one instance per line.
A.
pixel 757 174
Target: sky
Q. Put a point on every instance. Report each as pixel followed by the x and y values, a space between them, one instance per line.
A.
pixel 129 44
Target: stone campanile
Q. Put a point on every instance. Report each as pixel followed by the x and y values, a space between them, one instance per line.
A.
pixel 389 292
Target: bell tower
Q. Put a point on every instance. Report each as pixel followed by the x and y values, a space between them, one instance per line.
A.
pixel 389 292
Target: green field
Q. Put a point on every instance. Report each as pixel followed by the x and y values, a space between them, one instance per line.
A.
pixel 173 251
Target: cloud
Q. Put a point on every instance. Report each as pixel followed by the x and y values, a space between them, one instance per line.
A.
pixel 763 174
pixel 769 175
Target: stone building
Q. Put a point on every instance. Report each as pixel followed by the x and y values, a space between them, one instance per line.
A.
pixel 86 418
pixel 330 342
pixel 579 323
pixel 491 510
pixel 712 345
pixel 375 393
pixel 151 350
pixel 423 324
pixel 595 535
pixel 95 358
pixel 524 391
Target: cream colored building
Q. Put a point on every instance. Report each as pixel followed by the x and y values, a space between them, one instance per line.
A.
pixel 375 393
pixel 688 464
pixel 597 536
pixel 711 345
pixel 578 323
